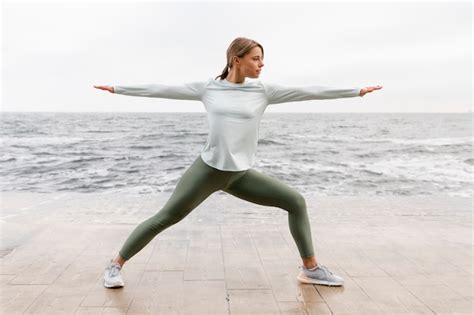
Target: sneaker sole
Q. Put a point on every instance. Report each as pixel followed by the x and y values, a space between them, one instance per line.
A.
pixel 112 286
pixel 304 279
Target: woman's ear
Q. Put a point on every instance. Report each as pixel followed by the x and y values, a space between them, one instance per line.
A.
pixel 236 60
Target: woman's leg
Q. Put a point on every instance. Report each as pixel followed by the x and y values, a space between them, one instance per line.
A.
pixel 196 184
pixel 265 190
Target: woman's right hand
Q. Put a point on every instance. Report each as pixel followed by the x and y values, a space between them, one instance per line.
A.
pixel 105 87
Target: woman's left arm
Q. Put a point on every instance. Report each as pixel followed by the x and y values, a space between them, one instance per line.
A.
pixel 277 93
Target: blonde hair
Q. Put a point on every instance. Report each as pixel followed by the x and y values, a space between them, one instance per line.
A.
pixel 239 47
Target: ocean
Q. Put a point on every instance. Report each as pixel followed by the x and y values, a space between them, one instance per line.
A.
pixel 315 153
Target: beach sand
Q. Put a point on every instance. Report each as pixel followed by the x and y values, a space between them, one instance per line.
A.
pixel 398 255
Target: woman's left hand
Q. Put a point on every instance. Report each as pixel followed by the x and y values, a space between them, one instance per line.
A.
pixel 369 89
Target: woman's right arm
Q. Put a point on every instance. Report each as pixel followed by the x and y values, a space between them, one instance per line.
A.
pixel 186 91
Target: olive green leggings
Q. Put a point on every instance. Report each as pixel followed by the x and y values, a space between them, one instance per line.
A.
pixel 200 180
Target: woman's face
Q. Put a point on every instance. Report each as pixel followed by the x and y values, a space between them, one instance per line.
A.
pixel 251 64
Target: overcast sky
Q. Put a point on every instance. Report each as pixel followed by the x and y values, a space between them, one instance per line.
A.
pixel 53 53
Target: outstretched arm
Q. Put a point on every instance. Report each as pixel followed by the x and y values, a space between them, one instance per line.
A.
pixel 277 93
pixel 186 91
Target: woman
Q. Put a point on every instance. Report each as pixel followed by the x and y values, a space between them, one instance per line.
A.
pixel 234 107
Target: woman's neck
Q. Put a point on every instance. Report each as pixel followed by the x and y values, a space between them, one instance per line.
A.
pixel 235 78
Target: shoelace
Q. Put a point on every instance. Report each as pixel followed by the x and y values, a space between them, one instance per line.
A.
pixel 326 269
pixel 114 270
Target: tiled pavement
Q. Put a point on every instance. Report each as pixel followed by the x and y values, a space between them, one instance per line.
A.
pixel 398 255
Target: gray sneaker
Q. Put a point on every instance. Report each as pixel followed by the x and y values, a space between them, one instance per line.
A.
pixel 320 275
pixel 112 276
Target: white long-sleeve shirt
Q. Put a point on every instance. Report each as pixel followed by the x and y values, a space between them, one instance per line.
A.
pixel 234 111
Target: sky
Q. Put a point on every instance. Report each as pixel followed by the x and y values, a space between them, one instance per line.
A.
pixel 54 52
